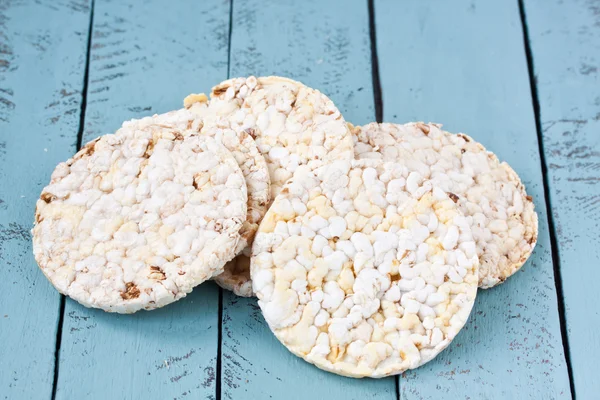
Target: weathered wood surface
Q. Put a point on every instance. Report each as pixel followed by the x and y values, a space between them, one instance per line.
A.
pixel 41 80
pixel 145 58
pixel 459 62
pixel 463 63
pixel 565 45
pixel 307 41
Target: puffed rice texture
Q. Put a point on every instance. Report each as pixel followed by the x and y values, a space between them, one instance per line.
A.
pixel 364 269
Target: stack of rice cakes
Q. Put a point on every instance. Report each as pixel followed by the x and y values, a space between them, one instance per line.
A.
pixel 364 245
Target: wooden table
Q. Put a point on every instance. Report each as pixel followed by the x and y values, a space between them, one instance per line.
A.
pixel 520 76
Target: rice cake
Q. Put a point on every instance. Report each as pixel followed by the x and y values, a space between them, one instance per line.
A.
pixel 489 193
pixel 362 270
pixel 137 219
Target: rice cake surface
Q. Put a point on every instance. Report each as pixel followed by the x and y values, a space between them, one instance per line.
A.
pixel 363 270
pixel 137 219
pixel 292 124
pixel 198 116
pixel 488 192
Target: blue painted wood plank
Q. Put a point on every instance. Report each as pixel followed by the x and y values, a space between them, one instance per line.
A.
pixel 42 63
pixel 565 45
pixel 169 353
pixel 463 63
pixel 145 58
pixel 307 41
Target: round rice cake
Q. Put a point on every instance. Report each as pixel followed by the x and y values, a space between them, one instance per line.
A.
pixel 362 270
pixel 135 220
pixel 488 192
pixel 291 123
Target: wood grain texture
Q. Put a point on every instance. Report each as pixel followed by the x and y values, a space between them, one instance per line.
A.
pixel 462 63
pixel 324 45
pixel 565 46
pixel 307 41
pixel 169 353
pixel 42 64
pixel 145 58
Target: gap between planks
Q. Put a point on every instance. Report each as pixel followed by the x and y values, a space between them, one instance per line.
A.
pixel 219 346
pixel 375 69
pixel 86 74
pixel 551 226
pixel 218 388
pixel 377 100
